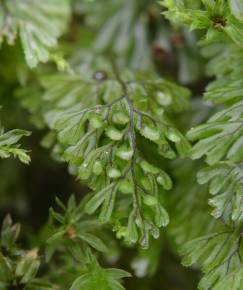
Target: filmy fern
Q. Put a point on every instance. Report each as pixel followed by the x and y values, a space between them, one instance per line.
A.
pixel 116 110
pixel 220 140
pixel 9 145
pixel 38 24
pixel 100 141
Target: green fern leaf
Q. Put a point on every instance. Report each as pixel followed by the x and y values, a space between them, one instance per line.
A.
pixel 221 137
pixel 220 256
pixel 100 279
pixel 38 23
pixel 226 186
pixel 215 17
pixel 99 132
pixel 9 145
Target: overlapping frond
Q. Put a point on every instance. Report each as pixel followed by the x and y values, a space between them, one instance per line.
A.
pixel 9 145
pixel 18 267
pixel 220 139
pixel 100 279
pixel 226 188
pixel 187 200
pixel 98 122
pixel 220 256
pixel 216 17
pixel 38 24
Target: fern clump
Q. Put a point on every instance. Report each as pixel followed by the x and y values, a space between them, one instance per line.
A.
pixel 137 108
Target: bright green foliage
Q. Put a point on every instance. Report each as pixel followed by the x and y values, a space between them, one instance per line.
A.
pixel 220 256
pixel 220 139
pixel 226 186
pixel 215 16
pixel 100 279
pixel 38 23
pixel 115 111
pixel 97 122
pixel 74 231
pixel 77 234
pixel 9 145
pixel 193 202
pixel 18 268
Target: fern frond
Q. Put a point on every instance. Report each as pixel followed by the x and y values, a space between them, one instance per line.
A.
pixel 18 267
pixel 215 17
pixel 187 200
pixel 100 279
pixel 72 230
pixel 226 186
pixel 72 233
pixel 221 137
pixel 78 234
pixel 99 131
pixel 220 256
pixel 38 24
pixel 9 145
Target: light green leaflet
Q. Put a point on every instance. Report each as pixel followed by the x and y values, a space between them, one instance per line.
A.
pixel 38 23
pixel 9 145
